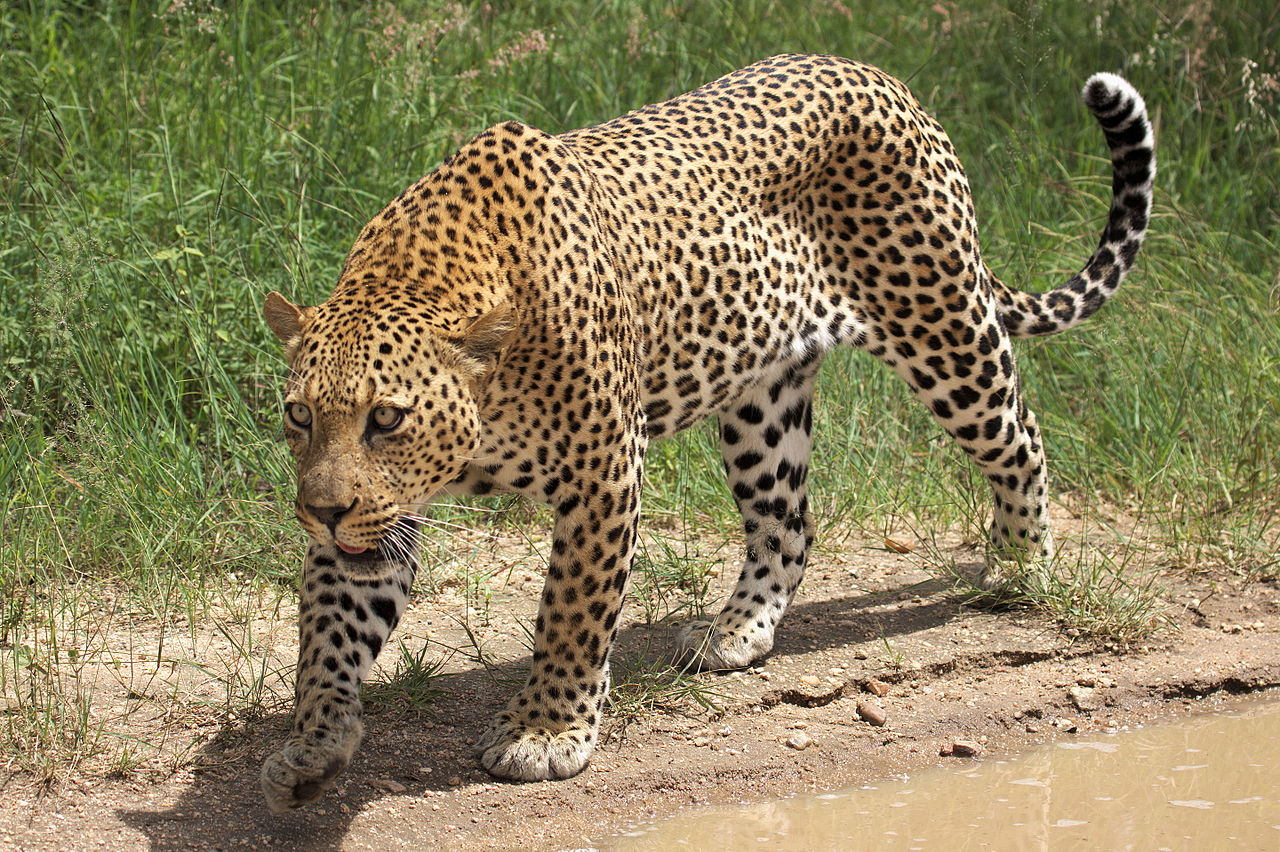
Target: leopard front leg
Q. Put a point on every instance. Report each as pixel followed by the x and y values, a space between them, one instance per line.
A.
pixel 548 730
pixel 345 615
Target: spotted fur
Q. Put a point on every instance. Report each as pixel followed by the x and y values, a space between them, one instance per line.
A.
pixel 530 314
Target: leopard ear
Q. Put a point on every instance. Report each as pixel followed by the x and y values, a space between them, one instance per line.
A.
pixel 489 333
pixel 284 318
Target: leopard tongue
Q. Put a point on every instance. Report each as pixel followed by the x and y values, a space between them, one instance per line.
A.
pixel 350 550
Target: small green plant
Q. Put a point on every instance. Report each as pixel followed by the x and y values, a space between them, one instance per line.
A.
pixel 46 722
pixel 413 683
pixel 1109 596
pixel 670 579
pixel 642 686
pixel 892 656
pixel 253 683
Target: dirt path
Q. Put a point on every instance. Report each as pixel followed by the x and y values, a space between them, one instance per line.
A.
pixel 1004 680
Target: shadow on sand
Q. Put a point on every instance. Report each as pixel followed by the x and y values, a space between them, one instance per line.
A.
pixel 426 749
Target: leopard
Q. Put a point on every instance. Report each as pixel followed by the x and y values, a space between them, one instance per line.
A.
pixel 529 315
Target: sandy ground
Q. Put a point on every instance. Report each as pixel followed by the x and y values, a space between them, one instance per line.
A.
pixel 948 672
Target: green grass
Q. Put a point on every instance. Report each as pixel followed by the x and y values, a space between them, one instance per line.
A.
pixel 164 165
pixel 648 683
pixel 414 682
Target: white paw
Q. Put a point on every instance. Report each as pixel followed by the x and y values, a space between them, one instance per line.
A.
pixel 1016 569
pixel 709 647
pixel 520 752
pixel 993 576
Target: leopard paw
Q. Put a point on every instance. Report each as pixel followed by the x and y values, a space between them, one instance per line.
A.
pixel 521 752
pixel 301 771
pixel 707 646
pixel 1013 571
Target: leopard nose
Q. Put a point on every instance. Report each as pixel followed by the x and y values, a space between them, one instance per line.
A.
pixel 329 515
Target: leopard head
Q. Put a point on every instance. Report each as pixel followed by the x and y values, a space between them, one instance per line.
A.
pixel 381 410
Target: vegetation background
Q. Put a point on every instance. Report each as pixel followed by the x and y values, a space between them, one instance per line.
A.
pixel 164 165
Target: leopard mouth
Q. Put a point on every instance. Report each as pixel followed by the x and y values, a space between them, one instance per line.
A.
pixel 352 551
pixel 399 543
pixel 361 556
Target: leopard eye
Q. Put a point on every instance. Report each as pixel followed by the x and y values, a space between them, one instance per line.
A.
pixel 299 415
pixel 386 418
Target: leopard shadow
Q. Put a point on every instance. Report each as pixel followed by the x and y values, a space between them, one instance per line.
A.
pixel 422 750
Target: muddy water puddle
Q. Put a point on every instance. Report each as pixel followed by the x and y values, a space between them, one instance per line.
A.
pixel 1211 782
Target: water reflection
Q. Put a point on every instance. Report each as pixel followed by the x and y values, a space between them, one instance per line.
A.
pixel 1212 782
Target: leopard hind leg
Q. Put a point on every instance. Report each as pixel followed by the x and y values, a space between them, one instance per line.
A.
pixel 765 442
pixel 964 373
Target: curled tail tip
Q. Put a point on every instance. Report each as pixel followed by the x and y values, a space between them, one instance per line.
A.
pixel 1119 108
pixel 1122 114
pixel 1109 95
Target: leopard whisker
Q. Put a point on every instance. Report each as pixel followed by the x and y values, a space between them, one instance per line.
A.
pixel 399 550
pixel 403 540
pixel 459 506
pixel 448 526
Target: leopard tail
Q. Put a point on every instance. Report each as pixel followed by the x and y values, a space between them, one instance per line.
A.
pixel 1120 110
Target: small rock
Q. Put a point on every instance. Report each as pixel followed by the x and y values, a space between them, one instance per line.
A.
pixel 455 781
pixel 878 688
pixel 799 741
pixel 700 742
pixel 961 748
pixel 1067 725
pixel 1084 698
pixel 870 713
pixel 809 680
pixel 388 785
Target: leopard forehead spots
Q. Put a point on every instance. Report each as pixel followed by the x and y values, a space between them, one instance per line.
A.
pixel 529 315
pixel 345 359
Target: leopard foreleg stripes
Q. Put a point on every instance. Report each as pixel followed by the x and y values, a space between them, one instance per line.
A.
pixel 344 620
pixel 549 728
